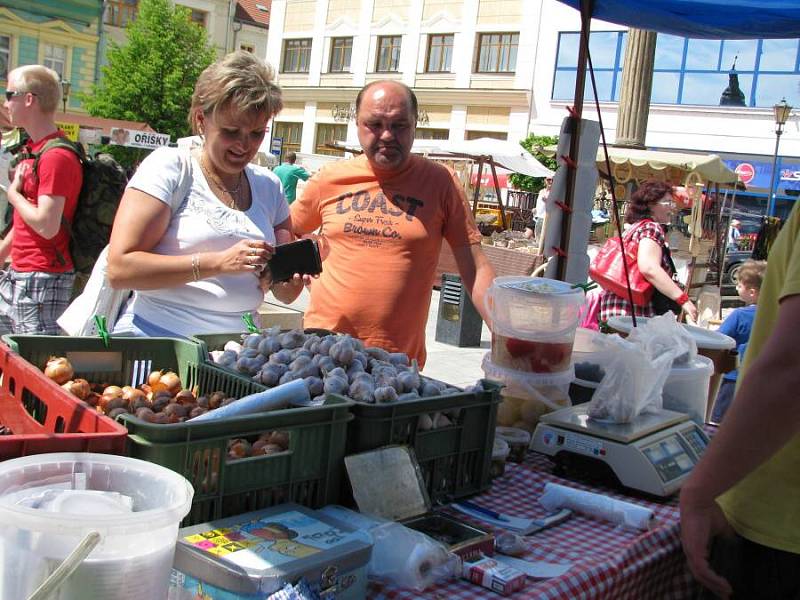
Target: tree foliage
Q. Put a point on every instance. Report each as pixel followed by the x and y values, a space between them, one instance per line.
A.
pixel 535 145
pixel 151 76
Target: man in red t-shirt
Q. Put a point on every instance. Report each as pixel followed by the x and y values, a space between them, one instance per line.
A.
pixel 384 216
pixel 37 287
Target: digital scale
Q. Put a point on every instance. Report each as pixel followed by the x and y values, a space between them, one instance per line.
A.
pixel 654 454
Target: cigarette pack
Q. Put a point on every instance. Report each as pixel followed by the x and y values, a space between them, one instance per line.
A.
pixel 492 575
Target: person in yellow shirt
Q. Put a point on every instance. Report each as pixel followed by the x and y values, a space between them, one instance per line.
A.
pixel 740 508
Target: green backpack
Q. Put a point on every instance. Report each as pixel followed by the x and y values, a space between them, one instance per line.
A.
pixel 104 182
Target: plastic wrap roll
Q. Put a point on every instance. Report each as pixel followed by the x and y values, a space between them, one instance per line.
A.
pixel 272 399
pixel 620 512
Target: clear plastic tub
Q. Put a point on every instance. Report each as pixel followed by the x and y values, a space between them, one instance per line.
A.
pixel 686 389
pixel 533 323
pixel 518 441
pixel 50 502
pixel 499 455
pixel 527 396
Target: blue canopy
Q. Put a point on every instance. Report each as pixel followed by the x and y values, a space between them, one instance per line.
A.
pixel 713 19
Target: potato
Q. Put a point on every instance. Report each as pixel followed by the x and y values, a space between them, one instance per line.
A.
pixel 508 411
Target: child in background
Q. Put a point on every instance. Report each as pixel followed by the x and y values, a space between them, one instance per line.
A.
pixel 738 325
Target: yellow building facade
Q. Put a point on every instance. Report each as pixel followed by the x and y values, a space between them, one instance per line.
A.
pixel 470 64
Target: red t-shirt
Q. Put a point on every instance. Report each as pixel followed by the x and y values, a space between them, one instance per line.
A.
pixel 59 174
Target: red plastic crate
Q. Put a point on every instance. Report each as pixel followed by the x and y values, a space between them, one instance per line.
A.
pixel 45 419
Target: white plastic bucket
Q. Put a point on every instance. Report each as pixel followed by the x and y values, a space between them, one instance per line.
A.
pixel 534 308
pixel 686 388
pixel 40 528
pixel 527 396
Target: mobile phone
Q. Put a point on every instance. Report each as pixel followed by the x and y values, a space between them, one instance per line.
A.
pixel 301 256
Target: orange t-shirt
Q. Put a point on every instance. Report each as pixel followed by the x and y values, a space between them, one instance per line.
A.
pixel 380 245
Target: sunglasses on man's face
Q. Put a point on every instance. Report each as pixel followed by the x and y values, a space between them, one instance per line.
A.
pixel 14 93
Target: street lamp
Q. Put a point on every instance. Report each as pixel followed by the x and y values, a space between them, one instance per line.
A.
pixel 781 110
pixel 65 87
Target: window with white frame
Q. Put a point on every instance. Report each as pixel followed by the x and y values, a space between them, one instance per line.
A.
pixel 440 53
pixel 119 12
pixel 198 17
pixel 5 56
pixel 428 133
pixel 290 133
pixel 55 57
pixel 296 55
pixel 388 53
pixel 327 134
pixel 341 51
pixel 497 53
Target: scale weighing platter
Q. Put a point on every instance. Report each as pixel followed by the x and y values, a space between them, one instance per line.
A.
pixel 576 418
pixel 654 454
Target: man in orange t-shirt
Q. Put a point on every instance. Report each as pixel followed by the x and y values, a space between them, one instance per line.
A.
pixel 383 217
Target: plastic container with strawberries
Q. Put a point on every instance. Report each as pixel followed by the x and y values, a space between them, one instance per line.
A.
pixel 533 323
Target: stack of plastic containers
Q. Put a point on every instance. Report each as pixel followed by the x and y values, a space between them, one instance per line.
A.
pixel 533 329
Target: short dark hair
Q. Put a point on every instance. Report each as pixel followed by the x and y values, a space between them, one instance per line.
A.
pixel 643 199
pixel 751 273
pixel 291 157
pixel 412 98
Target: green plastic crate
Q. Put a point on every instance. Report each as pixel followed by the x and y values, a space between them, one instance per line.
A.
pixel 454 460
pixel 308 473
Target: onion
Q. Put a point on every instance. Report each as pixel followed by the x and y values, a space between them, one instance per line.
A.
pixel 59 370
pixel 78 387
pixel 172 381
pixel 185 397
pixel 114 391
pixel 153 378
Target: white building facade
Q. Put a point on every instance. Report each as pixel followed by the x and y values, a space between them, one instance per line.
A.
pixel 505 68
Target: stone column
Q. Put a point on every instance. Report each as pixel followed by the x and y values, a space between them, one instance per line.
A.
pixel 637 82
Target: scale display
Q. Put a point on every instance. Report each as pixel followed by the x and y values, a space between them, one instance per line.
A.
pixel 654 453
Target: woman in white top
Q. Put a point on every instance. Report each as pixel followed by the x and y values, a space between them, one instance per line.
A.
pixel 194 232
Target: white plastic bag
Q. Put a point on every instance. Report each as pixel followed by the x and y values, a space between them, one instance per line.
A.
pixel 97 298
pixel 401 556
pixel 635 377
pixel 664 334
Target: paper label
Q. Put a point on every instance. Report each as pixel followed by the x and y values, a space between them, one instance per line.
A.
pixel 270 541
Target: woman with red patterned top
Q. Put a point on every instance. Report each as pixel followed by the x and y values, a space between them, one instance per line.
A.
pixel 650 206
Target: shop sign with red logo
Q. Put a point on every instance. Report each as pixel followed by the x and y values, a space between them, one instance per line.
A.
pixel 746 172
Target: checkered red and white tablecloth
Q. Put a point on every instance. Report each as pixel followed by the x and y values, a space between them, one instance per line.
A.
pixel 607 560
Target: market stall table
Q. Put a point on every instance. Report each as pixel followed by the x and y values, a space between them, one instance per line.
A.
pixel 607 561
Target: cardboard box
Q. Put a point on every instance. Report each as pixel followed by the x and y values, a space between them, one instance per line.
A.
pixel 273 314
pixel 494 576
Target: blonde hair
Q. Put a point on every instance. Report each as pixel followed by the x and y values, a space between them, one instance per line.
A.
pixel 240 81
pixel 42 82
pixel 751 273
